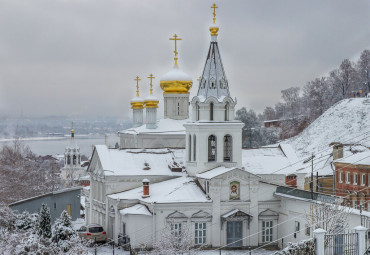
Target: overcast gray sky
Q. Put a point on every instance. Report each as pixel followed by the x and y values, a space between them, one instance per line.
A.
pixel 79 57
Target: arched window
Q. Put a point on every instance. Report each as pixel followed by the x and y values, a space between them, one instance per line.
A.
pixel 74 159
pixel 195 148
pixel 211 111
pixel 197 111
pixel 178 108
pixel 212 84
pixel 79 159
pixel 227 111
pixel 69 159
pixel 189 152
pixel 212 148
pixel 228 148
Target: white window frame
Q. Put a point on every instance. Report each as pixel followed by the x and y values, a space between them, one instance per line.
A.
pixel 297 226
pixel 348 177
pixel 341 177
pixel 355 178
pixel 176 228
pixel 267 231
pixel 200 233
pixel 363 179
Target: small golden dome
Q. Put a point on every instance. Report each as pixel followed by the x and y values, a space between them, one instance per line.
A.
pixel 176 82
pixel 137 103
pixel 151 102
pixel 213 30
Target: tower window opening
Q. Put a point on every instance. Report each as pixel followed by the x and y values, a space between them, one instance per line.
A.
pixel 189 152
pixel 196 111
pixel 69 159
pixel 211 111
pixel 74 160
pixel 195 148
pixel 227 111
pixel 178 108
pixel 212 148
pixel 228 148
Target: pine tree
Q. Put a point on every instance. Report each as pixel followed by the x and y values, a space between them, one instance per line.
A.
pixel 63 233
pixel 44 226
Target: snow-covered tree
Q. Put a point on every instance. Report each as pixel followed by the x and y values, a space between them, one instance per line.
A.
pixel 345 79
pixel 332 217
pixel 363 69
pixel 7 217
pixel 63 232
pixel 44 222
pixel 26 221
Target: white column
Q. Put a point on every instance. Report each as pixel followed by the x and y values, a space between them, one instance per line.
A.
pixel 319 235
pixel 137 117
pixel 361 231
pixel 151 118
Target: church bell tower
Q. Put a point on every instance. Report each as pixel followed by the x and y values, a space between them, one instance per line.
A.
pixel 214 137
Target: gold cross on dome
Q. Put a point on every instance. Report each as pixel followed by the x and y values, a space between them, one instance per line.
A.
pixel 151 77
pixel 175 38
pixel 214 7
pixel 137 85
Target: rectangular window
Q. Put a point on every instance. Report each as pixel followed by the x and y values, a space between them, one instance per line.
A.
pixel 348 177
pixel 308 230
pixel 363 179
pixel 341 177
pixel 200 233
pixel 297 226
pixel 266 231
pixel 355 179
pixel 176 230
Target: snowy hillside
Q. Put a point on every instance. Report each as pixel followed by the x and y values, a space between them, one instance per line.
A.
pixel 348 121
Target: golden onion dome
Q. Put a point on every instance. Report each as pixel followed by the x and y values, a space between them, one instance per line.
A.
pixel 176 82
pixel 137 103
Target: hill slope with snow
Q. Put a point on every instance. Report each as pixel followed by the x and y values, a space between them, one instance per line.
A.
pixel 348 121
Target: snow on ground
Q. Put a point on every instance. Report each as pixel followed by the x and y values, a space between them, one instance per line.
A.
pixel 345 122
pixel 107 250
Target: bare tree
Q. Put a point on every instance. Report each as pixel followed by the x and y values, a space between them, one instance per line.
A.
pixel 176 241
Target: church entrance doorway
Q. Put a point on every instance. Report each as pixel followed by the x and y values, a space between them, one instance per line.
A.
pixel 234 233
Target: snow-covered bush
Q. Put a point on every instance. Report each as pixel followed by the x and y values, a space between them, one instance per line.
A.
pixel 26 221
pixel 305 247
pixel 7 217
pixel 63 233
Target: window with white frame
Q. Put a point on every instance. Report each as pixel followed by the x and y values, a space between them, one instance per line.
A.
pixel 267 231
pixel 355 179
pixel 307 230
pixel 297 226
pixel 341 177
pixel 200 233
pixel 363 179
pixel 176 230
pixel 348 177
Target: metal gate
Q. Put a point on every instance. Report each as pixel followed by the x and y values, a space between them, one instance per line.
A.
pixel 341 244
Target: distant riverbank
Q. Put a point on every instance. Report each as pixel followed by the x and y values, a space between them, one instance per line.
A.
pixel 52 145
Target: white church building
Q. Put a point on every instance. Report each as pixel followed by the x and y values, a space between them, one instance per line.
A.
pixel 192 173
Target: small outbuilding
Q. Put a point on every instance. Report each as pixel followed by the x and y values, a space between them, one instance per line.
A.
pixel 57 201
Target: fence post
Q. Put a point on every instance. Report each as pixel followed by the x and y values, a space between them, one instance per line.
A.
pixel 319 235
pixel 361 231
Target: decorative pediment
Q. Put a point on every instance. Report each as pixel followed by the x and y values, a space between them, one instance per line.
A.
pixel 236 215
pixel 177 215
pixel 268 214
pixel 201 214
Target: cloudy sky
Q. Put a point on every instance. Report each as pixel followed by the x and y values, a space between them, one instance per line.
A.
pixel 79 57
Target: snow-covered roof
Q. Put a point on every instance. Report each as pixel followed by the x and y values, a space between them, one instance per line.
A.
pixel 213 82
pixel 322 162
pixel 164 126
pixel 277 159
pixel 178 190
pixel 215 172
pixel 346 122
pixel 176 74
pixel 362 158
pixel 145 162
pixel 136 210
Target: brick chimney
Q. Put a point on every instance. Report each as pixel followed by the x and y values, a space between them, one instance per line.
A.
pixel 146 188
pixel 337 150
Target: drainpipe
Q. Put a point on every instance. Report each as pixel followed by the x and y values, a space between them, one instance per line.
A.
pixel 153 224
